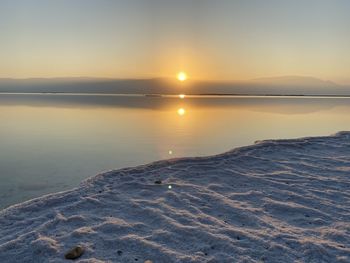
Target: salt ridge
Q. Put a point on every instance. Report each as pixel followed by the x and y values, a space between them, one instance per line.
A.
pixel 275 201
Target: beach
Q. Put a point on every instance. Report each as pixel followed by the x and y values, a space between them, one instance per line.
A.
pixel 274 201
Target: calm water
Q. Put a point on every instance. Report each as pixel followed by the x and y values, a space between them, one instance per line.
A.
pixel 52 142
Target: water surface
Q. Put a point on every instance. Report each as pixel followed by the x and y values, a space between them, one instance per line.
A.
pixel 51 142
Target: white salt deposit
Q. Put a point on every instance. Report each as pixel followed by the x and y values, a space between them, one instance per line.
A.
pixel 275 201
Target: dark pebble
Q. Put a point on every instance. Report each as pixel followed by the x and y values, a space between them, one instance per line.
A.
pixel 158 182
pixel 74 253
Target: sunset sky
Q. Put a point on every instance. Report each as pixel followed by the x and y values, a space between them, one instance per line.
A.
pixel 218 40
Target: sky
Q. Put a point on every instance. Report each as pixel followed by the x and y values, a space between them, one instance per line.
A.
pixel 210 40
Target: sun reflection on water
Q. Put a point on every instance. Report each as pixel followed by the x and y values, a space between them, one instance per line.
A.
pixel 181 111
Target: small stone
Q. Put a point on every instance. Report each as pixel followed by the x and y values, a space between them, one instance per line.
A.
pixel 74 253
pixel 158 182
pixel 148 261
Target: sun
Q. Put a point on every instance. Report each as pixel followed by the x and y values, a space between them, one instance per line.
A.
pixel 181 76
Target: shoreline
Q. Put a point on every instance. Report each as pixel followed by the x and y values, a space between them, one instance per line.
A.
pixel 268 201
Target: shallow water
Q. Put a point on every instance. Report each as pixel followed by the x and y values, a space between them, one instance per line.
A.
pixel 51 142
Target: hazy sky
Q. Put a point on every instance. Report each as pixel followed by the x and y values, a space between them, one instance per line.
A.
pixel 150 38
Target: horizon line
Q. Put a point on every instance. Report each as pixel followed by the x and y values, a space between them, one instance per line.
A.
pixel 275 77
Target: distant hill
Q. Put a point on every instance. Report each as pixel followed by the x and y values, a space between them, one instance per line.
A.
pixel 298 81
pixel 285 85
pixel 299 85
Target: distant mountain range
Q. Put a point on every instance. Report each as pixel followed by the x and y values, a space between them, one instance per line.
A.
pixel 285 85
pixel 296 81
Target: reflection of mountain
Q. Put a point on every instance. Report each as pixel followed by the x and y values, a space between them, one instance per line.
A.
pixel 289 105
pixel 288 85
